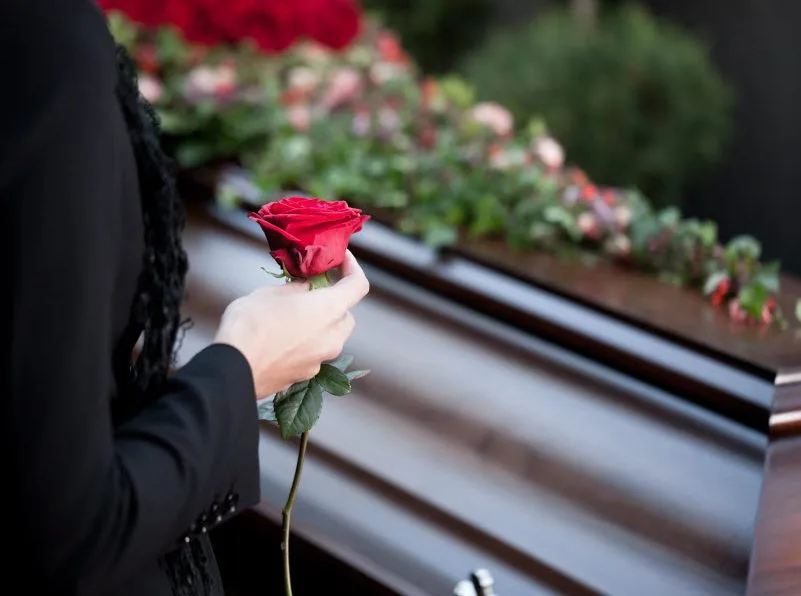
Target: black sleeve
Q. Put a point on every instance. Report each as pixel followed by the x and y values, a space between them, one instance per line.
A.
pixel 93 503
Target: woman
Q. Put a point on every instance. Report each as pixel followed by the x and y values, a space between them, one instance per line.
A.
pixel 116 469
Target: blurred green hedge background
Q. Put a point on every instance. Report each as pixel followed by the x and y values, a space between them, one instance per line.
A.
pixel 634 99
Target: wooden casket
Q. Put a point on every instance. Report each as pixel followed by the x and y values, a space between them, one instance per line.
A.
pixel 572 431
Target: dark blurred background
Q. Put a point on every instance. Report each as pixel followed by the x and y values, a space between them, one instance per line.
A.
pixel 695 102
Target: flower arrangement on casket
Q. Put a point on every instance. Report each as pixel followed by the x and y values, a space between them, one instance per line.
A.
pixel 357 121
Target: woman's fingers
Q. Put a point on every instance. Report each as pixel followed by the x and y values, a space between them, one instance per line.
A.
pixel 348 291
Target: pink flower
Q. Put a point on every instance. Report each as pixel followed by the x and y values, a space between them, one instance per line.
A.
pixel 588 225
pixel 299 117
pixel 493 116
pixel 344 86
pixel 549 152
pixel 736 311
pixel 766 316
pixel 150 88
pixel 211 81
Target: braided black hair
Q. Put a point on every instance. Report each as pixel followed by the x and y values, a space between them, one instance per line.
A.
pixel 160 293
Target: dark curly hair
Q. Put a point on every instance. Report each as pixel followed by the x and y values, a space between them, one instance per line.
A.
pixel 155 314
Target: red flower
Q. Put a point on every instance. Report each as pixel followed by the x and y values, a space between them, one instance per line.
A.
pixel 389 48
pixel 150 13
pixel 272 26
pixel 147 58
pixel 720 292
pixel 332 23
pixel 198 21
pixel 308 236
pixel 589 192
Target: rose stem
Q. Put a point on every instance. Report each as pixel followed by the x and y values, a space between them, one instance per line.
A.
pixel 286 513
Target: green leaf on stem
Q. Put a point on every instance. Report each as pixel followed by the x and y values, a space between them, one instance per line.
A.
pixel 266 409
pixel 342 363
pixel 298 408
pixel 332 380
pixel 357 374
pixel 743 247
pixel 281 275
pixel 753 298
pixel 768 276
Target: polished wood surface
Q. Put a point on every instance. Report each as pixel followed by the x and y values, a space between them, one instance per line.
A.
pixel 682 315
pixel 785 417
pixel 776 556
pixel 476 445
pixel 715 385
pixel 776 562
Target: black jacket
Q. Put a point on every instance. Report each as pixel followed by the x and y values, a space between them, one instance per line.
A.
pixel 90 508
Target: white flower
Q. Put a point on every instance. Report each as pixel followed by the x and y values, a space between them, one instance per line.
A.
pixel 202 80
pixel 493 116
pixel 383 72
pixel 303 79
pixel 619 245
pixel 588 224
pixel 150 88
pixel 622 216
pixel 549 152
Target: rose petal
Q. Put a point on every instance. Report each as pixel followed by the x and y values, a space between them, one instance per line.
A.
pixel 269 226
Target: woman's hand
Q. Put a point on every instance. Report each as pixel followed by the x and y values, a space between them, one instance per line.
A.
pixel 286 332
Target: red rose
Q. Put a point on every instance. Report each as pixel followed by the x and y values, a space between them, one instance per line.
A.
pixel 308 236
pixel 150 13
pixel 332 23
pixel 198 21
pixel 272 26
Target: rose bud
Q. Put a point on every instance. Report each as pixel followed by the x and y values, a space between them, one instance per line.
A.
pixel 307 236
